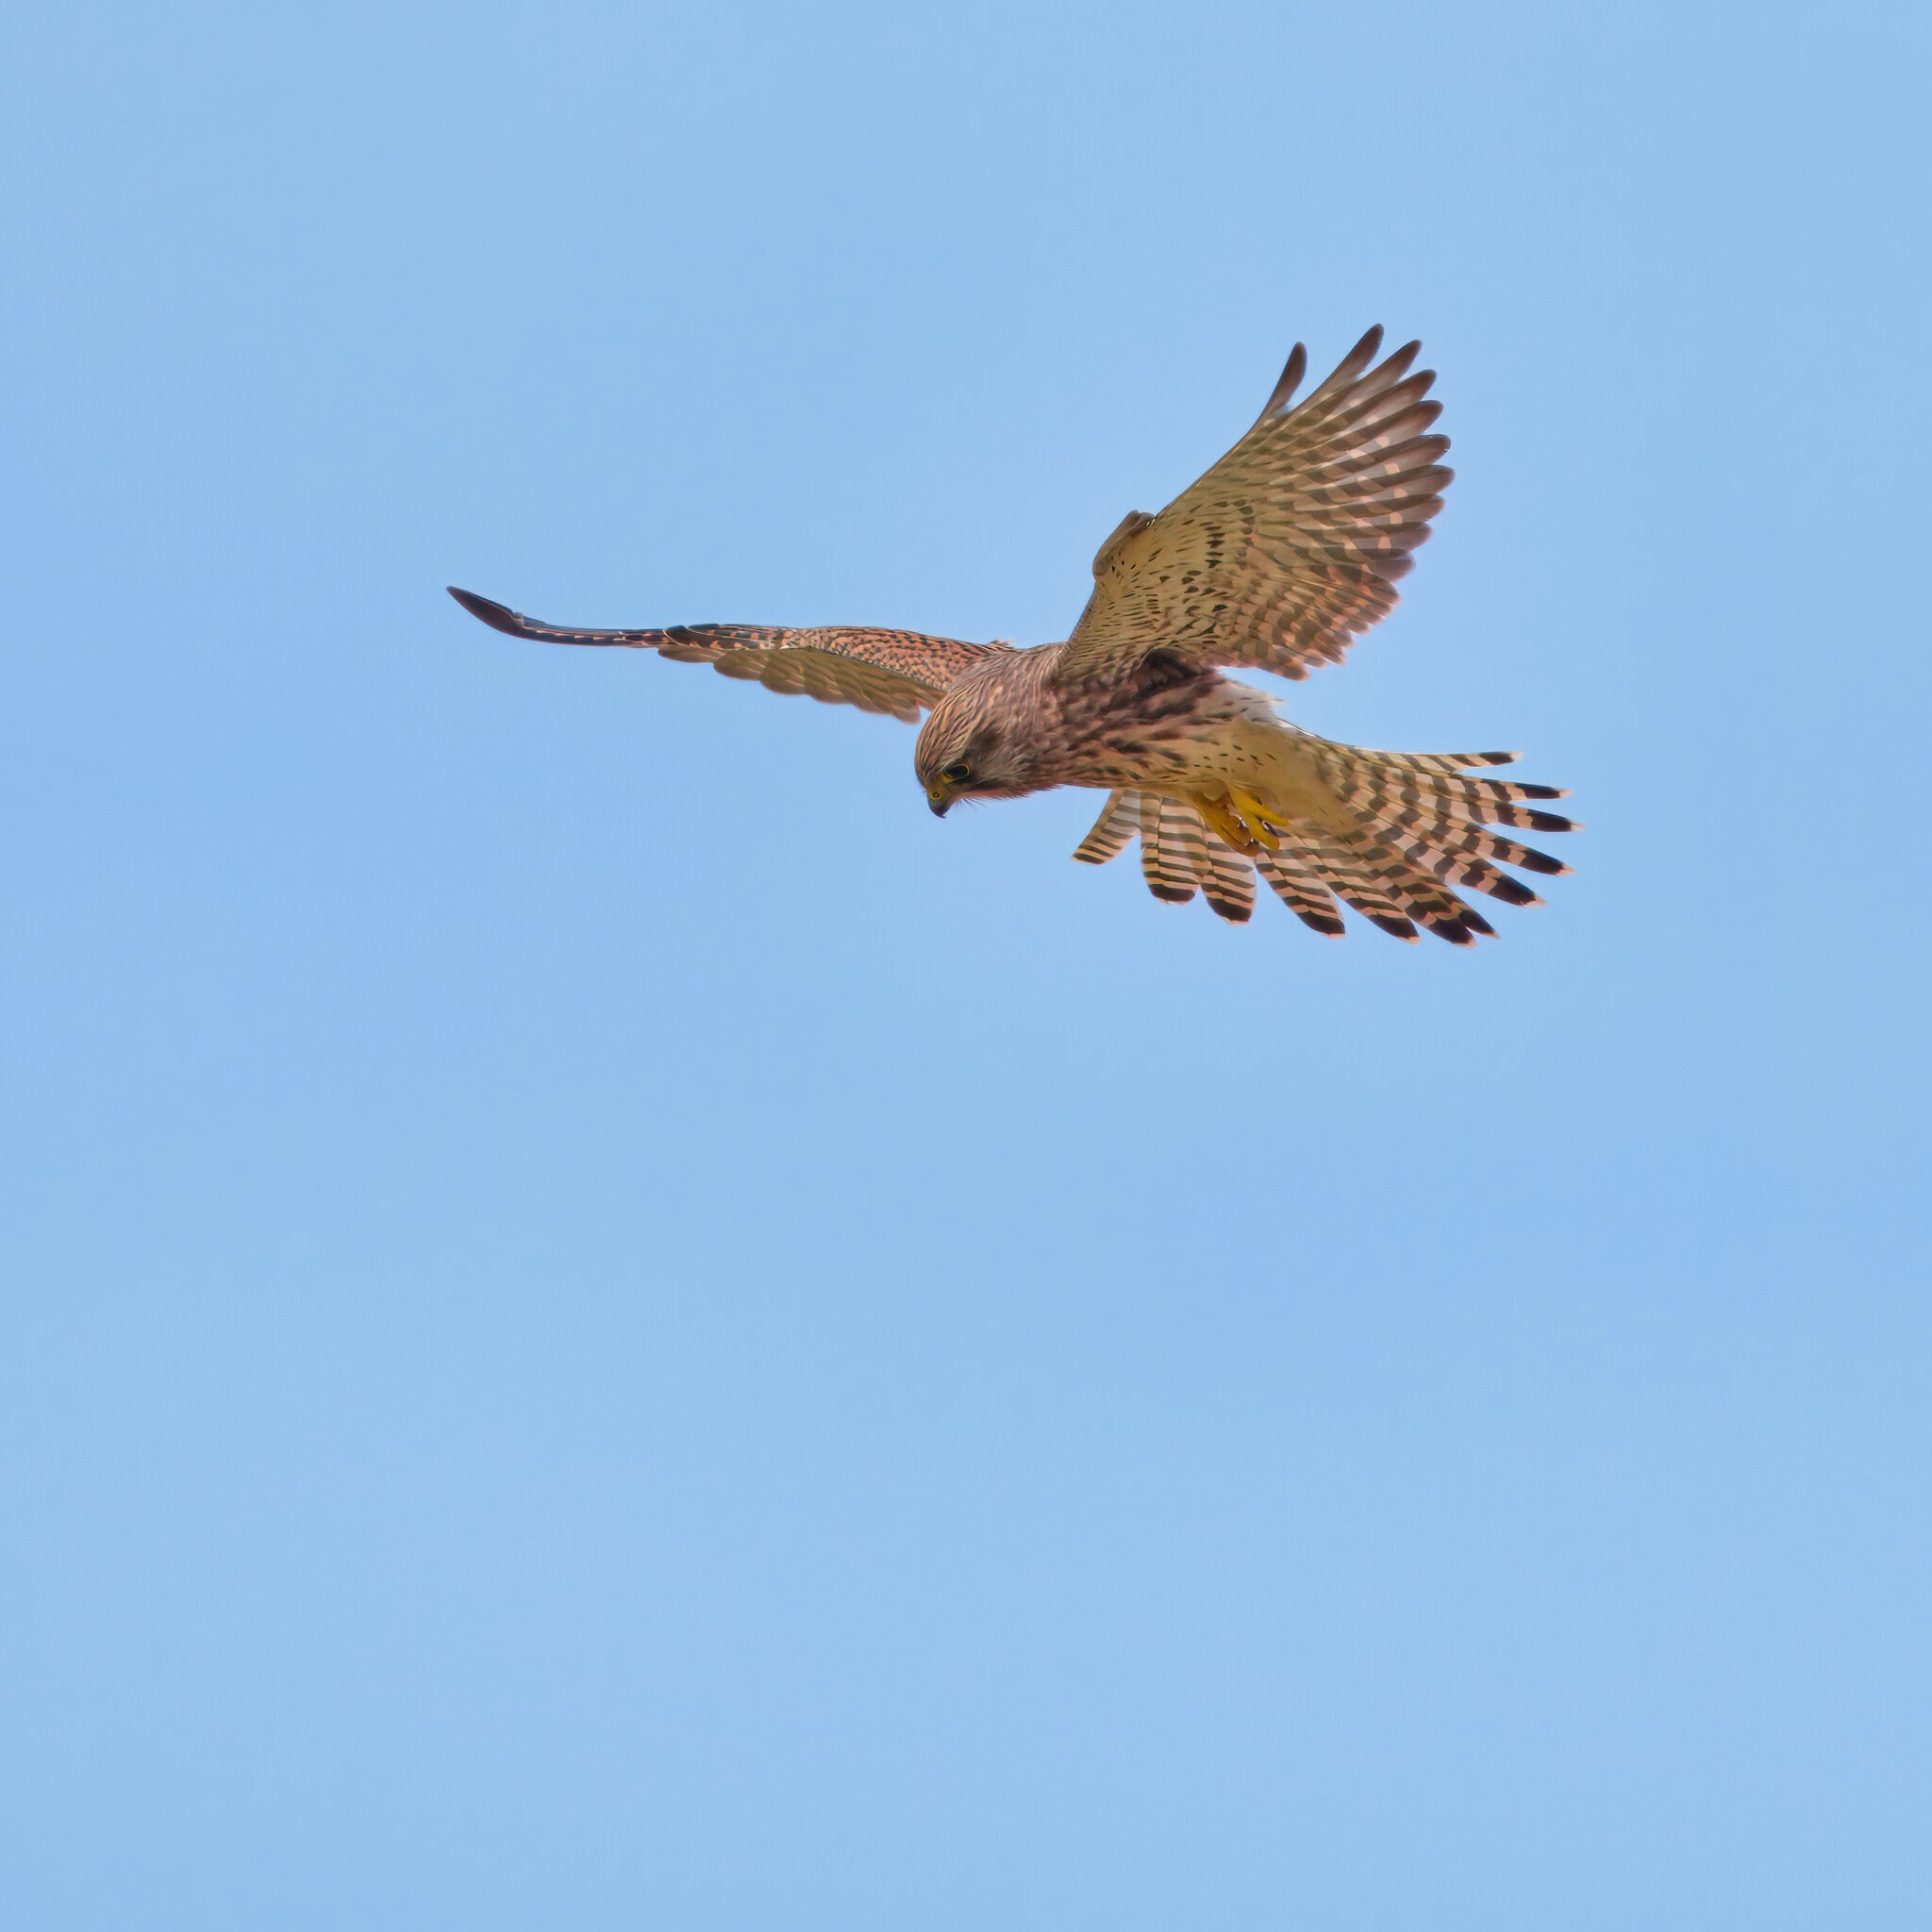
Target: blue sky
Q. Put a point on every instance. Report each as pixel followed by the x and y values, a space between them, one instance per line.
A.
pixel 607 1324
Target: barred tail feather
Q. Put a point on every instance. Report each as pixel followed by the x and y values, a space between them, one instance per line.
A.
pixel 1229 884
pixel 1169 874
pixel 1446 762
pixel 1354 883
pixel 1184 838
pixel 1178 853
pixel 1302 890
pixel 1422 828
pixel 1119 820
pixel 1421 835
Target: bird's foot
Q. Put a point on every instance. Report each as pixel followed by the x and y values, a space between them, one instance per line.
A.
pixel 1241 820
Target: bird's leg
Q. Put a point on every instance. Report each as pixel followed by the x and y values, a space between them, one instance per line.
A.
pixel 1224 825
pixel 1258 819
pixel 1240 819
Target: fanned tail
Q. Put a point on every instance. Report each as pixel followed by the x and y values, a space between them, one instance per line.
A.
pixel 1420 833
pixel 1179 855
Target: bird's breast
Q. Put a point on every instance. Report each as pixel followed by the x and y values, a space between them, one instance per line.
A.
pixel 1118 733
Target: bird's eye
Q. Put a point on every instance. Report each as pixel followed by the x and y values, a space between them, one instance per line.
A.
pixel 956 774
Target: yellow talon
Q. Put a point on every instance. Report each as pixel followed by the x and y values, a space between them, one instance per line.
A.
pixel 1225 826
pixel 1255 816
pixel 1241 820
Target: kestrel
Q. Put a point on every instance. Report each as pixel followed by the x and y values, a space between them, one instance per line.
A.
pixel 1276 559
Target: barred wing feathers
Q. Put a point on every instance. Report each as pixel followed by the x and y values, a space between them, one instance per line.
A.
pixel 900 672
pixel 1292 544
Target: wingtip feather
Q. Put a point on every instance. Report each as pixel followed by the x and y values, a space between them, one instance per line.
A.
pixel 1283 392
pixel 497 616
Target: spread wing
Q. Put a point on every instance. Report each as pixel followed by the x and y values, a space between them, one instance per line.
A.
pixel 1290 545
pixel 897 671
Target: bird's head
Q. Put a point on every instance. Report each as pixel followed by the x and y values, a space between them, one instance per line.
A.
pixel 966 751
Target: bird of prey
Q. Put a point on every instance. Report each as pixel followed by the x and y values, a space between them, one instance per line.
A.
pixel 1275 559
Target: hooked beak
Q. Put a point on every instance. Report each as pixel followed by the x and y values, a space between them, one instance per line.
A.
pixel 940 796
